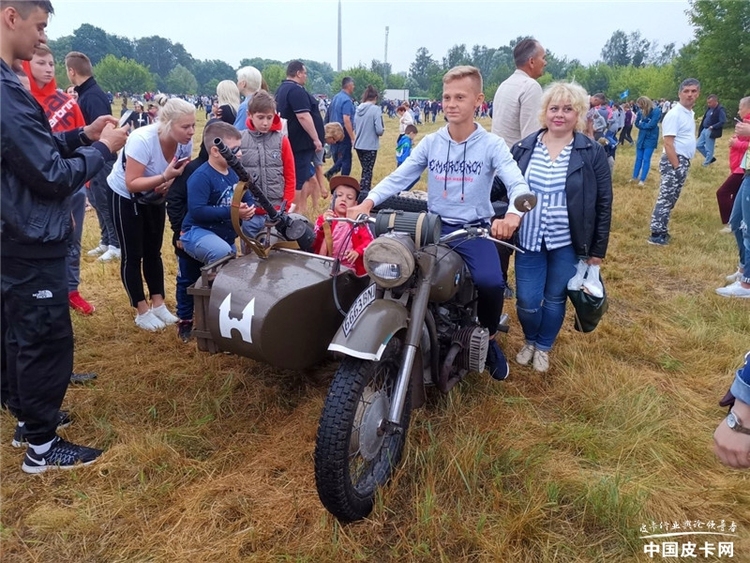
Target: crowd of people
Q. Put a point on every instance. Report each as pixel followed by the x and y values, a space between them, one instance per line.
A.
pixel 558 143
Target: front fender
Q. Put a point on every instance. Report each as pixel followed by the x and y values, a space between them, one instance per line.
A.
pixel 372 331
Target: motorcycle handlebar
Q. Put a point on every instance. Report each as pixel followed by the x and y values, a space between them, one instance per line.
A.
pixel 361 219
pixel 478 232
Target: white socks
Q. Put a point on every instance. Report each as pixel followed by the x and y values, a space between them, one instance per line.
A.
pixel 162 313
pixel 42 448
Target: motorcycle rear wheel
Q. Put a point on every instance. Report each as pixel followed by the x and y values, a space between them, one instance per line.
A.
pixel 351 459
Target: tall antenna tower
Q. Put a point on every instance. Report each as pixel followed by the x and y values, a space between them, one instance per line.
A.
pixel 385 60
pixel 339 59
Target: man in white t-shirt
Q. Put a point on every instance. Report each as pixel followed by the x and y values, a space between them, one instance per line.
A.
pixel 518 100
pixel 678 132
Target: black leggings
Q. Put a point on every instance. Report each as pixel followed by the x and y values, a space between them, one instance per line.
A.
pixel 367 160
pixel 140 229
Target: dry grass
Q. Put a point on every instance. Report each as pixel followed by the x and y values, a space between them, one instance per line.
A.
pixel 209 458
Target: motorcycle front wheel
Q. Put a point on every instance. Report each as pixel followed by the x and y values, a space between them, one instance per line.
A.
pixel 352 458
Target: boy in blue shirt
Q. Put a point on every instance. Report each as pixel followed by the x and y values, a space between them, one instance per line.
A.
pixel 207 231
pixel 403 148
pixel 461 160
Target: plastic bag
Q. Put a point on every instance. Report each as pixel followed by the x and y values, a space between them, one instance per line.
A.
pixel 592 282
pixel 586 292
pixel 576 282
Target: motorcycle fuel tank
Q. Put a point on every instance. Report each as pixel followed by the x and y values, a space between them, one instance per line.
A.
pixel 280 310
pixel 448 274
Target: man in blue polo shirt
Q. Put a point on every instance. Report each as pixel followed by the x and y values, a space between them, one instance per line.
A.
pixel 342 111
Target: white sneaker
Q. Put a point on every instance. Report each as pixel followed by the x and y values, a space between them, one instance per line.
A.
pixel 734 277
pixel 525 355
pixel 641 184
pixel 734 290
pixel 113 253
pixel 149 321
pixel 98 251
pixel 541 361
pixel 726 229
pixel 162 313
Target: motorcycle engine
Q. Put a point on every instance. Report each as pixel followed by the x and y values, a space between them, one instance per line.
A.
pixel 474 342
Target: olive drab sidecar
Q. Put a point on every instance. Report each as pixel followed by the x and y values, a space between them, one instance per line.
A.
pixel 276 304
pixel 280 310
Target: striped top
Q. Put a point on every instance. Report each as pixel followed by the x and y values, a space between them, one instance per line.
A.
pixel 548 221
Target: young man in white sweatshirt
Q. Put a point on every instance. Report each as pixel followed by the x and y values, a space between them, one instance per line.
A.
pixel 462 158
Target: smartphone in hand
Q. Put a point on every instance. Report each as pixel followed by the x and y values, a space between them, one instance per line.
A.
pixel 182 162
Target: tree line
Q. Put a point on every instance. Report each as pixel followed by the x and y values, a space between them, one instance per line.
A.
pixel 628 63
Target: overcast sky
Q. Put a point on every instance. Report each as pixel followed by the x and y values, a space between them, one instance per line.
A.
pixel 283 29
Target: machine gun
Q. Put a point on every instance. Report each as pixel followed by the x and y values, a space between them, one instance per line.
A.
pixel 290 228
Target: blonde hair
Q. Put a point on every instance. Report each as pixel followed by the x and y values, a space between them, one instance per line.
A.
pixel 645 104
pixel 174 109
pixel 228 94
pixel 465 71
pixel 334 131
pixel 42 50
pixel 568 92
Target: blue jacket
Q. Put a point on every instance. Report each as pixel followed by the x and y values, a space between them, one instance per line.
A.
pixel 588 189
pixel 648 136
pixel 741 386
pixel 210 196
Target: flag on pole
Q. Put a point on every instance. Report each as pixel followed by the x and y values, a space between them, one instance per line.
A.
pixel 625 94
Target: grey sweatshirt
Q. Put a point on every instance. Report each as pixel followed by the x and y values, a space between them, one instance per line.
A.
pixel 368 126
pixel 459 175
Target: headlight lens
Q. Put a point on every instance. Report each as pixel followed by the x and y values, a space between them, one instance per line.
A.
pixel 389 259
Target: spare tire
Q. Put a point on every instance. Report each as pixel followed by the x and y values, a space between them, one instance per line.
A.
pixel 405 201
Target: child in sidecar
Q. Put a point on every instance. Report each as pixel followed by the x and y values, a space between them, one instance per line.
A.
pixel 207 231
pixel 339 239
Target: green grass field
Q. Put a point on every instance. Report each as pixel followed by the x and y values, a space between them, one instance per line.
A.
pixel 209 457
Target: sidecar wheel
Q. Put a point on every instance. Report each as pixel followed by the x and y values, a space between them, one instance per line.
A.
pixel 351 459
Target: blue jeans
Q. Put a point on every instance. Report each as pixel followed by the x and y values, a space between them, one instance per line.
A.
pixel 341 153
pixel 642 163
pixel 188 272
pixel 705 145
pixel 739 221
pixel 541 284
pixel 205 246
pixel 483 262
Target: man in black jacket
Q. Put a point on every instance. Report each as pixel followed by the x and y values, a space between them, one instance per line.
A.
pixel 711 128
pixel 39 173
pixel 94 103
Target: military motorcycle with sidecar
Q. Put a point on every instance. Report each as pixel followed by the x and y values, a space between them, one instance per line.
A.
pixel 410 325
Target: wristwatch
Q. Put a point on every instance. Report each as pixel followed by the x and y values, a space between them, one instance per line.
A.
pixel 85 141
pixel 736 424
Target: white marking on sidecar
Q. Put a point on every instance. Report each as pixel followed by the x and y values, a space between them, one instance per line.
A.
pixel 243 324
pixel 357 353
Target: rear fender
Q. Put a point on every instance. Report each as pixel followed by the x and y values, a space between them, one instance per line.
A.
pixel 372 330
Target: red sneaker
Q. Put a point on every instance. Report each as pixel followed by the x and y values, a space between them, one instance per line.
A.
pixel 79 303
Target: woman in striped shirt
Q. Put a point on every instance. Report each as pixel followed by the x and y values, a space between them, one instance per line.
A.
pixel 569 173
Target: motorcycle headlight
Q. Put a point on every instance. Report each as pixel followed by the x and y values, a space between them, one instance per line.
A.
pixel 389 259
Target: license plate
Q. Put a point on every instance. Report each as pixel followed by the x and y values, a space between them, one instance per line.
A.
pixel 359 306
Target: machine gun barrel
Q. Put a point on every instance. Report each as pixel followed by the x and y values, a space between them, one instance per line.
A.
pixel 288 227
pixel 260 198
